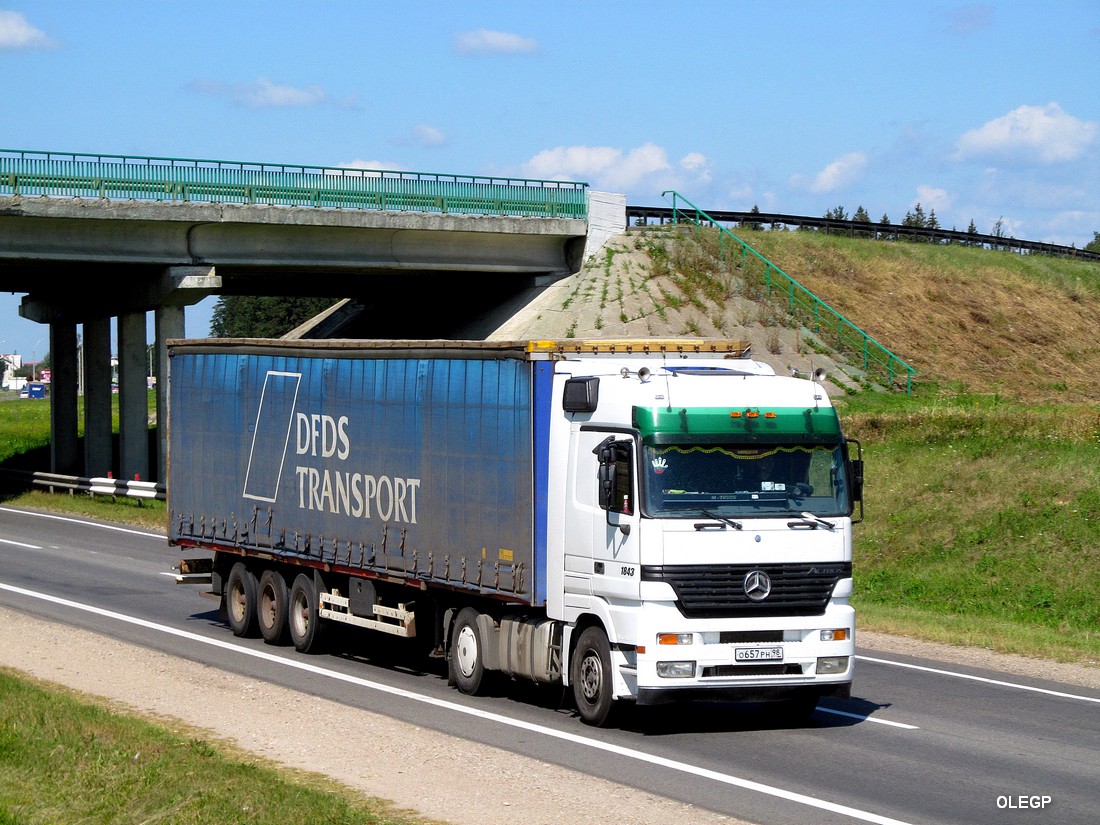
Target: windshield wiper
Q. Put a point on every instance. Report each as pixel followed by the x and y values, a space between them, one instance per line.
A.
pixel 736 525
pixel 813 521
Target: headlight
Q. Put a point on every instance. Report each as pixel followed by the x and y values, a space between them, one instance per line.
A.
pixel 831 664
pixel 676 670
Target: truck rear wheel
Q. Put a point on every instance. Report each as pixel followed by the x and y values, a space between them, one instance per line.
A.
pixel 303 622
pixel 271 609
pixel 240 600
pixel 591 677
pixel 467 657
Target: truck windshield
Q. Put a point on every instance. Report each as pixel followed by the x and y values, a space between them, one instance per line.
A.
pixel 761 480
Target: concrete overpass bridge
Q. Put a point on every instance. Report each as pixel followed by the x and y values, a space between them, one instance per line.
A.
pixel 96 240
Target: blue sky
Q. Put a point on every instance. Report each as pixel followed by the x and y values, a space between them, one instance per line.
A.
pixel 980 111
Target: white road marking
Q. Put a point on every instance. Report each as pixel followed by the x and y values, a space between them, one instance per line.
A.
pixel 577 739
pixel 981 679
pixel 83 522
pixel 868 718
pixel 21 544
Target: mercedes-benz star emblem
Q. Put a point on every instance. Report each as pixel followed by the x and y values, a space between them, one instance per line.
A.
pixel 757 585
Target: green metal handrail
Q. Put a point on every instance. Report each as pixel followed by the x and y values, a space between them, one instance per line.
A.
pixel 807 307
pixel 114 177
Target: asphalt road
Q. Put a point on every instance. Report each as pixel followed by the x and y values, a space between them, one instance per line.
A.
pixel 921 741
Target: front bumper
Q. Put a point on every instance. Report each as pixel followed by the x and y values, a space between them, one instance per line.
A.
pixel 715 659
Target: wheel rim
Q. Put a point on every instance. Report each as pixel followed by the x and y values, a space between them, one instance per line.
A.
pixel 591 677
pixel 466 651
pixel 267 607
pixel 237 603
pixel 299 617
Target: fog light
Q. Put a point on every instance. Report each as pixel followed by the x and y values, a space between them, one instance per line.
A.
pixel 832 664
pixel 676 670
pixel 674 638
pixel 838 635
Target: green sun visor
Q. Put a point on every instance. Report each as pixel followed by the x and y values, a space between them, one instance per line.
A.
pixel 692 425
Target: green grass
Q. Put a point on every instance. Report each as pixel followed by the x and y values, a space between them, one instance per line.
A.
pixel 67 759
pixel 982 522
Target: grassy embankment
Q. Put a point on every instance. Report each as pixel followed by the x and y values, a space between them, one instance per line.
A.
pixel 983 488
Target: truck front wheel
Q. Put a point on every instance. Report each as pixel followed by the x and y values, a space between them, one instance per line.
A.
pixel 303 620
pixel 467 659
pixel 591 677
pixel 240 600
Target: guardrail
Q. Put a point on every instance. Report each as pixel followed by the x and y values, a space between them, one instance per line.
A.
pixel 92 486
pixel 866 229
pixel 810 310
pixel 120 177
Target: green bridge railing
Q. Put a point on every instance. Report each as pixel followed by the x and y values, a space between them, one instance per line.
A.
pixel 807 308
pixel 119 177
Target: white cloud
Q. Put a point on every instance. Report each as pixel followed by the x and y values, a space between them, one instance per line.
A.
pixel 381 166
pixel 16 33
pixel 840 173
pixel 427 135
pixel 263 94
pixel 697 164
pixel 611 169
pixel 931 197
pixel 487 41
pixel 1029 133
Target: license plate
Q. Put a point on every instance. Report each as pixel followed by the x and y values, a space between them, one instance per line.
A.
pixel 758 654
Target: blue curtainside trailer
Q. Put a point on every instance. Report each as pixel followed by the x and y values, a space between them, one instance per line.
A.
pixel 409 464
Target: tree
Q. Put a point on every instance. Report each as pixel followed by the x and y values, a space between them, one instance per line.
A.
pixel 1094 244
pixel 861 216
pixel 247 316
pixel 755 225
pixel 972 230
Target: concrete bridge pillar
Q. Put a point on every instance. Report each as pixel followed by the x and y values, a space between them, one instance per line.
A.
pixel 64 443
pixel 169 323
pixel 133 398
pixel 98 447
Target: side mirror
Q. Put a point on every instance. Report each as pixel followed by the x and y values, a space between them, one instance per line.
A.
pixel 615 476
pixel 857 479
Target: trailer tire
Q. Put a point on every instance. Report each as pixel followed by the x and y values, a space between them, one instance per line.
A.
pixel 271 607
pixel 467 660
pixel 240 600
pixel 591 677
pixel 303 620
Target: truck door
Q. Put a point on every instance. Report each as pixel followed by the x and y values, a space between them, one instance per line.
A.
pixel 601 520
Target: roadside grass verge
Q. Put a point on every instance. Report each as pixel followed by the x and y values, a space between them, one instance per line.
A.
pixel 982 523
pixel 64 758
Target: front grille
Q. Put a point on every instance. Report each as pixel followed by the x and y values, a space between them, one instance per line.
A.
pixel 731 637
pixel 753 670
pixel 718 590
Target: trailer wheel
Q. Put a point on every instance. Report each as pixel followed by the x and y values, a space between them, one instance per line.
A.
pixel 240 600
pixel 302 620
pixel 271 608
pixel 591 677
pixel 467 658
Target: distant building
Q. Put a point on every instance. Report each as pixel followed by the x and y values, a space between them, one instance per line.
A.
pixel 12 363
